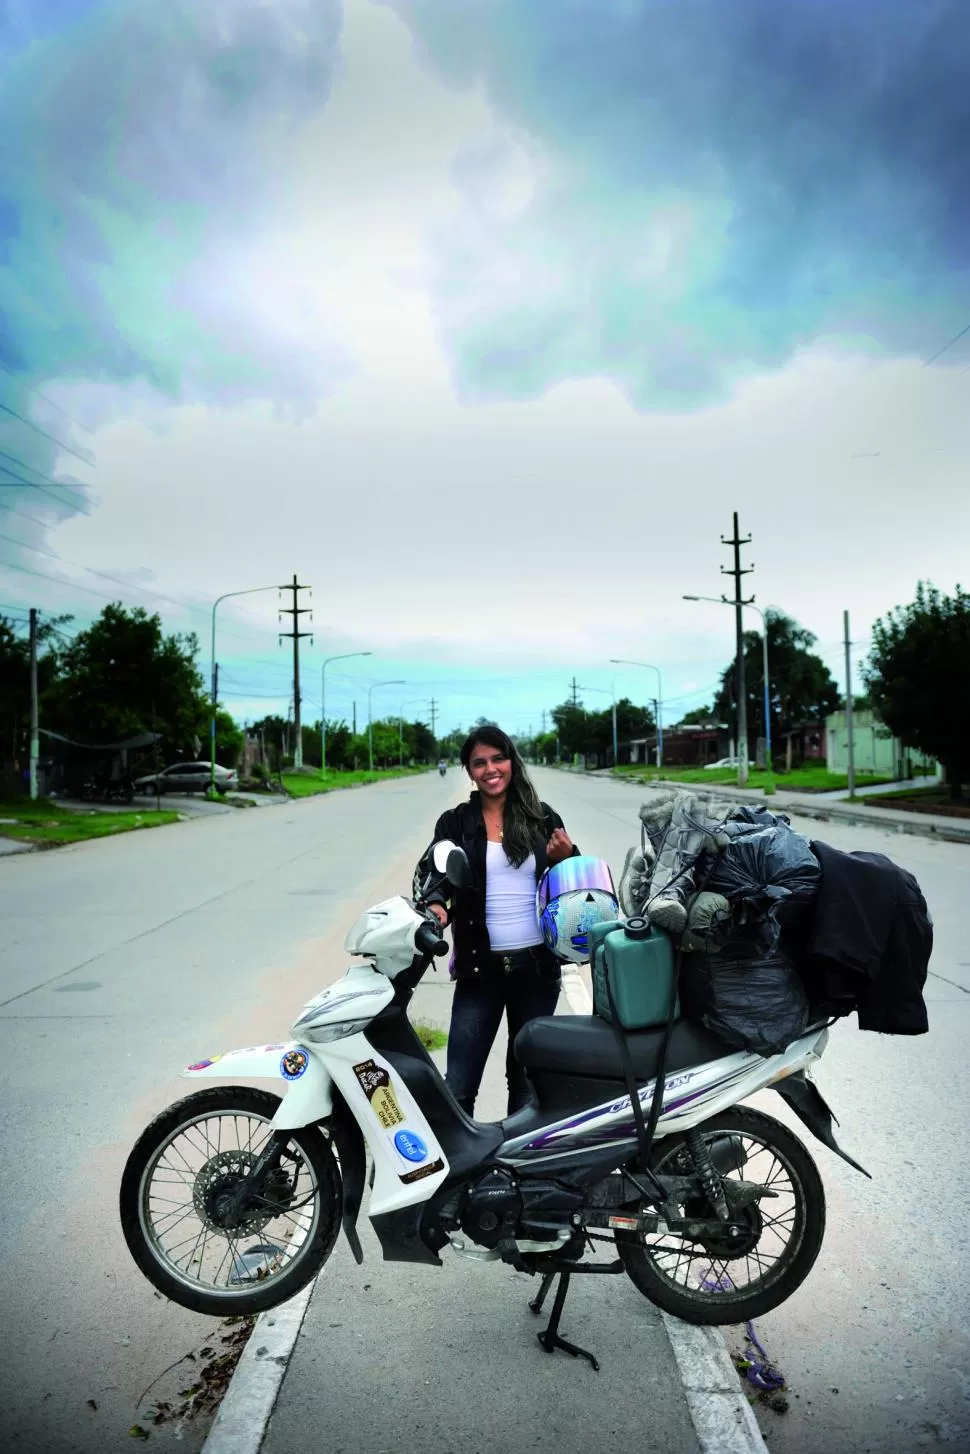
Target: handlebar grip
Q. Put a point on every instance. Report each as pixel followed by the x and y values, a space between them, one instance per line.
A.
pixel 428 940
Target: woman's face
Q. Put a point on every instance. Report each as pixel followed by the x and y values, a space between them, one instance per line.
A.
pixel 490 770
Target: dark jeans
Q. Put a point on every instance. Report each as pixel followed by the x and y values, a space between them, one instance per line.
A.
pixel 521 993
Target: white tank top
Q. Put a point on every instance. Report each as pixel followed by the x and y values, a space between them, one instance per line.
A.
pixel 510 901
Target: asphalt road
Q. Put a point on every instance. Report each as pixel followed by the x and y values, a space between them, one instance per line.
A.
pixel 875 1345
pixel 123 959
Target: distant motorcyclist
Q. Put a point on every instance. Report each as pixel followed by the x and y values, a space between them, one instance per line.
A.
pixel 442 766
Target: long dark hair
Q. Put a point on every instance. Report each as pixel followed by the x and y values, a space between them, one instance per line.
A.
pixel 523 819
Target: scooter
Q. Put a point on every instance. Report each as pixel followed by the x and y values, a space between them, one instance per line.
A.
pixel 233 1198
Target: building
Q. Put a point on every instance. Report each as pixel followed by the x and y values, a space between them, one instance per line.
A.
pixel 691 746
pixel 875 749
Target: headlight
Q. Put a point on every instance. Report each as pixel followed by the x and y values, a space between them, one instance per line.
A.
pixel 321 1034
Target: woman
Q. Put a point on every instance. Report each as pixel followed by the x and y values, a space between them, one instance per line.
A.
pixel 500 961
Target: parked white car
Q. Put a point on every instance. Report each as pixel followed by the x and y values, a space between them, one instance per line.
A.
pixel 723 762
pixel 187 777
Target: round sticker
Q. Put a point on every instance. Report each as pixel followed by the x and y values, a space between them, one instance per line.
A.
pixel 293 1064
pixel 411 1147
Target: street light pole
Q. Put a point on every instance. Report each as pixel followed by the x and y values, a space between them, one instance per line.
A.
pixel 723 601
pixel 344 656
pixel 616 755
pixel 400 723
pixel 623 661
pixel 397 682
pixel 252 591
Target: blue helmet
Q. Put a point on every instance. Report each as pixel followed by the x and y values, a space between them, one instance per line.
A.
pixel 573 896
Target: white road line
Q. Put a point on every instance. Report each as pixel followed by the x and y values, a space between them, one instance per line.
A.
pixel 723 1420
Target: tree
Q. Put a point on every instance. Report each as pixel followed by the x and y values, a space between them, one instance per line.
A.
pixel 15 678
pixel 918 680
pixel 591 733
pixel 801 686
pixel 699 717
pixel 122 675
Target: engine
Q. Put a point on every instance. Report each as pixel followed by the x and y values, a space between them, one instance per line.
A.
pixel 499 1207
pixel 491 1209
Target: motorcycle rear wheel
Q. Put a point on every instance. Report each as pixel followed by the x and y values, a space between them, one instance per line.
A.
pixel 717 1284
pixel 189 1156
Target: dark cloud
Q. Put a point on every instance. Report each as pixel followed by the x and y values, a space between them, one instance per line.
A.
pixel 727 183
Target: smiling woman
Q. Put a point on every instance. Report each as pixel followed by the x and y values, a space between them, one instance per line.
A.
pixel 500 962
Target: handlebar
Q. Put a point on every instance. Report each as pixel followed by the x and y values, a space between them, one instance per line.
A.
pixel 428 940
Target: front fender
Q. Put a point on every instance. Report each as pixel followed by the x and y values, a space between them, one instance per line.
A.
pixel 309 1088
pixel 255 1063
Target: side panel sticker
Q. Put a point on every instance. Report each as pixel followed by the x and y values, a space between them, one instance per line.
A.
pixel 408 1148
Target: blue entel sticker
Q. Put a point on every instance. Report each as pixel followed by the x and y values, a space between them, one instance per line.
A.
pixel 411 1147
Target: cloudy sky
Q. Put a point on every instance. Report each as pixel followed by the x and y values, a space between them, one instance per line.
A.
pixel 483 316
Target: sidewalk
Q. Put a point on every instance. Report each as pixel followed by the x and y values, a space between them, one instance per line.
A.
pixel 422 1360
pixel 820 806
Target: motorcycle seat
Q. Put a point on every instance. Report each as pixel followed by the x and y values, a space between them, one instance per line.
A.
pixel 586 1045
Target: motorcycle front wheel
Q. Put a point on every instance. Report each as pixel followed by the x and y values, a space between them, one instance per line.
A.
pixel 177 1186
pixel 712 1279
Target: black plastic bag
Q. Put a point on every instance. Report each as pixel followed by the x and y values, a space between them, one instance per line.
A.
pixel 757 1003
pixel 767 872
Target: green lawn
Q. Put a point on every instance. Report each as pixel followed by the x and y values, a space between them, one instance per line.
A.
pixel 309 783
pixel 46 822
pixel 800 779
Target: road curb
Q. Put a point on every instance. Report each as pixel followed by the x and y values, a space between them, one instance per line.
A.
pixel 244 1414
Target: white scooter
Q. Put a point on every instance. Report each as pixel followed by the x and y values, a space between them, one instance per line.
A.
pixel 232 1199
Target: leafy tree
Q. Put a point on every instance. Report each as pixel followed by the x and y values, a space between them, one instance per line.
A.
pixel 918 680
pixel 802 689
pixel 699 717
pixel 15 678
pixel 121 675
pixel 450 745
pixel 591 733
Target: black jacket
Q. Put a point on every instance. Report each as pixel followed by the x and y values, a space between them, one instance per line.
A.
pixel 870 942
pixel 465 826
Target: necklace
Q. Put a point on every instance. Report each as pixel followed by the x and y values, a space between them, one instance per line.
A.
pixel 493 825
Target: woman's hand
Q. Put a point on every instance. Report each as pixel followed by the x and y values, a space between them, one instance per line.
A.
pixel 440 913
pixel 560 846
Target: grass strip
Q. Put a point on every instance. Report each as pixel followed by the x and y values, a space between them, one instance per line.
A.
pixel 49 825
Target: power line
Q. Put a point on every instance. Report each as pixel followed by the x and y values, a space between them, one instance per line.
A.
pixel 31 390
pixel 955 339
pixel 86 458
pixel 33 485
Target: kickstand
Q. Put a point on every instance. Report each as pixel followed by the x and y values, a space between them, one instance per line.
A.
pixel 550 1338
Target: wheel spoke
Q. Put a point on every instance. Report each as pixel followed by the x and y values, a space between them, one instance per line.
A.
pixel 184 1193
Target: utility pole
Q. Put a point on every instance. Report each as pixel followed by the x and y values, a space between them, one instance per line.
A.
pixel 741 689
pixel 434 713
pixel 848 703
pixel 355 719
pixel 575 690
pixel 296 611
pixel 543 721
pixel 34 729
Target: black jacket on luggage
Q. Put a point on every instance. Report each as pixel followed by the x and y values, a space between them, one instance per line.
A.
pixel 869 944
